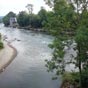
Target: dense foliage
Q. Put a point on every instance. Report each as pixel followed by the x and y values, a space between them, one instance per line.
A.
pixel 1 43
pixel 6 19
pixel 43 16
pixel 32 20
pixel 68 23
pixel 29 20
pixel 23 19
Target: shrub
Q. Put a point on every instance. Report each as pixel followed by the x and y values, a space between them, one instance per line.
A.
pixel 1 45
pixel 71 79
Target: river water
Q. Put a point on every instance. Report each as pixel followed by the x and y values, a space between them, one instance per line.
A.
pixel 28 69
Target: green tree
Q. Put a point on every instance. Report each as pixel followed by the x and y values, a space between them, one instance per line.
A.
pixel 6 19
pixel 69 22
pixel 43 16
pixel 23 19
pixel 1 43
pixel 35 21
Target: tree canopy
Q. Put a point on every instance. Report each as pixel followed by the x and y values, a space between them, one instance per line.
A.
pixel 6 19
pixel 23 18
pixel 68 23
pixel 32 20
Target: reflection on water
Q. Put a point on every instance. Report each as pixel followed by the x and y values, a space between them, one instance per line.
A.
pixel 28 69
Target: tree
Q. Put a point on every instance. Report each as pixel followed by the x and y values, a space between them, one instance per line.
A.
pixel 23 19
pixel 43 16
pixel 69 22
pixel 81 40
pixel 30 9
pixel 6 18
pixel 48 22
pixel 35 21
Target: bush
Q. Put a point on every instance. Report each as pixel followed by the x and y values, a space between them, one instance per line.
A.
pixel 71 79
pixel 85 79
pixel 1 45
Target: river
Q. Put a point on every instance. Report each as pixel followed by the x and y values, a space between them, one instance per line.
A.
pixel 28 69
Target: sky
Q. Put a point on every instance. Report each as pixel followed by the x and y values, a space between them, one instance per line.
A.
pixel 20 5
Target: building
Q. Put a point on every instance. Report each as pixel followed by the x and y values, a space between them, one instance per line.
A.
pixel 13 22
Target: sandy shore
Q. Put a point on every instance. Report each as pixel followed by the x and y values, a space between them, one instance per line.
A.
pixel 7 54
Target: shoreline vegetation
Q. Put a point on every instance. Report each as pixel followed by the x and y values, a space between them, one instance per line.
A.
pixel 37 30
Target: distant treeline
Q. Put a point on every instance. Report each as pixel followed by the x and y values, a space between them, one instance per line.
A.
pixel 25 19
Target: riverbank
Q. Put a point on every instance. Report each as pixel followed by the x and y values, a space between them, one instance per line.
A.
pixel 37 30
pixel 7 55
